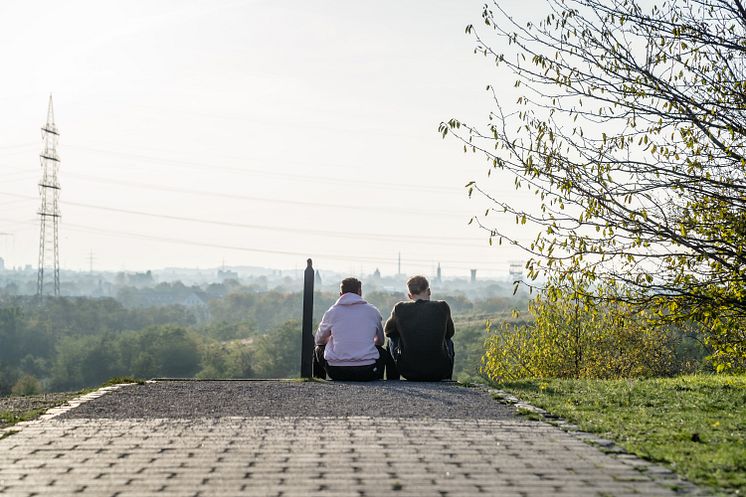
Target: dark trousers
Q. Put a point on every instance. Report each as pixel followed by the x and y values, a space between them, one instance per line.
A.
pixel 375 371
pixel 392 346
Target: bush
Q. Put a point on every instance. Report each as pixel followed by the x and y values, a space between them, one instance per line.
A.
pixel 727 336
pixel 27 385
pixel 572 338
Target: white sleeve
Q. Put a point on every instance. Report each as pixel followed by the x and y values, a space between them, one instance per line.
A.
pixel 325 330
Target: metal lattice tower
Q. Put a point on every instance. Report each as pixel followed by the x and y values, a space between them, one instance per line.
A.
pixel 49 213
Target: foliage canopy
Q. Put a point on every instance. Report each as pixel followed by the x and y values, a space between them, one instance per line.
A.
pixel 571 336
pixel 630 132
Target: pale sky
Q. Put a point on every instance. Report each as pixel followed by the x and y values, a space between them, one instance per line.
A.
pixel 250 132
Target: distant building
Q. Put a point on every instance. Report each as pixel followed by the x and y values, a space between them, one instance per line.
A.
pixel 193 300
pixel 227 274
pixel 140 279
pixel 2 264
pixel 438 275
pixel 317 278
pixel 198 306
pixel 516 271
pixel 376 274
pixel 473 275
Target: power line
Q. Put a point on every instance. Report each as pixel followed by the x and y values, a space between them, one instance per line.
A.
pixel 189 191
pixel 16 201
pixel 181 241
pixel 14 171
pixel 20 145
pixel 451 264
pixel 202 166
pixel 16 221
pixel 338 234
pixel 425 239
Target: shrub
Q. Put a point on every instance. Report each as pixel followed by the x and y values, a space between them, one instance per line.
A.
pixel 573 338
pixel 27 385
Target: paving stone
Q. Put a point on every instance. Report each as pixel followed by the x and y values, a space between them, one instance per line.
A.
pixel 331 456
pixel 471 464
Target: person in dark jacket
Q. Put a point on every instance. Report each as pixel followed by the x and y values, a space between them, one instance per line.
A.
pixel 420 334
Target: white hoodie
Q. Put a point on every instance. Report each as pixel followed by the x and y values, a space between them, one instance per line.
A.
pixel 350 329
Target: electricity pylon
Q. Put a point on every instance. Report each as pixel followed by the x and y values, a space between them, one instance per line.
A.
pixel 49 213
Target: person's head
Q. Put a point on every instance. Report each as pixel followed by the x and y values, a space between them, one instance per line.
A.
pixel 419 288
pixel 351 285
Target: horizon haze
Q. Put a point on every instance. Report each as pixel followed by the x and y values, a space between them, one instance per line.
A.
pixel 195 134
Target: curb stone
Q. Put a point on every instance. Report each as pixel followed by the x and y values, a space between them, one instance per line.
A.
pixel 609 447
pixel 53 412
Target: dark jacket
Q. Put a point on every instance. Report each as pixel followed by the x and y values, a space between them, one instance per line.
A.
pixel 422 328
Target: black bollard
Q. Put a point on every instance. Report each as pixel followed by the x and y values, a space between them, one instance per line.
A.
pixel 306 351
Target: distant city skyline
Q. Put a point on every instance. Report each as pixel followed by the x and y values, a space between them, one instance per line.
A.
pixel 118 284
pixel 258 133
pixel 256 270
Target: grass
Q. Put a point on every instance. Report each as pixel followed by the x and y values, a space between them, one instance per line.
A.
pixel 11 417
pixel 529 414
pixel 694 424
pixel 16 409
pixel 116 380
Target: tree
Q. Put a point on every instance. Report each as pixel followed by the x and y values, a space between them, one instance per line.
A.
pixel 166 350
pixel 226 360
pixel 277 354
pixel 630 132
pixel 84 361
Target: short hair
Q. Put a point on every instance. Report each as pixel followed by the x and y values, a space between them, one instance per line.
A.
pixel 417 284
pixel 350 285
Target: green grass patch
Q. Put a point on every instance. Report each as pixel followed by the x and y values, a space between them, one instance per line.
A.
pixel 694 424
pixel 16 409
pixel 529 414
pixel 19 408
pixel 9 418
pixel 116 380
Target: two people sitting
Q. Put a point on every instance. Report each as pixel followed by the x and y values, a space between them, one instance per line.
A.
pixel 351 337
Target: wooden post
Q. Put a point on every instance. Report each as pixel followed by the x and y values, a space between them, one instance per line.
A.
pixel 306 351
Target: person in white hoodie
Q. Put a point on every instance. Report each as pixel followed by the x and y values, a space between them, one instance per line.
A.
pixel 349 341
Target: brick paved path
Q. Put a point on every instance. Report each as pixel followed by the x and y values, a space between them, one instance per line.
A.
pixel 357 456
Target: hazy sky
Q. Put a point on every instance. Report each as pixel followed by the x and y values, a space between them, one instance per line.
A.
pixel 249 132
